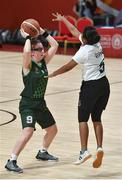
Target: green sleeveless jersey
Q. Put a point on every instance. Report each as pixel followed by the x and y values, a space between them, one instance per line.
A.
pixel 34 82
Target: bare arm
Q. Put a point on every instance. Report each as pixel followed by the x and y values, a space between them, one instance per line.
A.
pixel 53 46
pixel 70 26
pixel 67 67
pixel 26 52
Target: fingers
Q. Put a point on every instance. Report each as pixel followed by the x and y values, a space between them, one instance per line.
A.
pixel 23 33
pixel 54 14
pixel 42 30
pixel 49 76
pixel 58 14
pixel 56 18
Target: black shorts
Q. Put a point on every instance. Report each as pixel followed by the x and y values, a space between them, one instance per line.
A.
pixel 93 98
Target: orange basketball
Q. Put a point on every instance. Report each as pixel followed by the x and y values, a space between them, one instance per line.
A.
pixel 31 26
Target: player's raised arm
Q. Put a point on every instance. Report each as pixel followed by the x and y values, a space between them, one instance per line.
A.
pixel 70 26
pixel 53 45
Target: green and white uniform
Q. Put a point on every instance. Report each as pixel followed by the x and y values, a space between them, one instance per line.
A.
pixel 32 106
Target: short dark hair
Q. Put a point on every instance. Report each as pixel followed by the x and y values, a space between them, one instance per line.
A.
pixel 91 35
pixel 39 39
pixel 35 41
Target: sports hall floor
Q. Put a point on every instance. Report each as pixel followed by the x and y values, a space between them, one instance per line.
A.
pixel 61 96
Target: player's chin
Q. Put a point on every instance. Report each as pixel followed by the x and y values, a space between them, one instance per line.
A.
pixel 41 56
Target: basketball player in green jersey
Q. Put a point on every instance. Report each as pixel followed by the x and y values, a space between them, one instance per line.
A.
pixel 32 105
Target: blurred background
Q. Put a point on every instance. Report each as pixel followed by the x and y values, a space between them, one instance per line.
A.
pixel 62 92
pixel 105 14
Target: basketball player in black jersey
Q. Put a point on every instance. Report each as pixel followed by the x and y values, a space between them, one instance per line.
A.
pixel 94 91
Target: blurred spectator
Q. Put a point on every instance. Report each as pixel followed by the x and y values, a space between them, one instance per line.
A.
pixel 0 40
pixel 85 8
pixel 108 13
pixel 118 20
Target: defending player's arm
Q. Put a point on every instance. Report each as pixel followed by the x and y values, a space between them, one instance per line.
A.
pixel 53 45
pixel 70 26
pixel 67 67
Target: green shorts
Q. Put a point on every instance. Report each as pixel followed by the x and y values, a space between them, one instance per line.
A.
pixel 44 118
pixel 35 111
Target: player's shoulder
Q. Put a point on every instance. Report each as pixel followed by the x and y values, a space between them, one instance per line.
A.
pixel 84 48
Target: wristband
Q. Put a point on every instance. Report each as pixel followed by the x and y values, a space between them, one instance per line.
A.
pixel 28 37
pixel 45 34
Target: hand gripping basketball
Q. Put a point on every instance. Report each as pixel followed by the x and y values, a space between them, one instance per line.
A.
pixel 23 33
pixel 31 26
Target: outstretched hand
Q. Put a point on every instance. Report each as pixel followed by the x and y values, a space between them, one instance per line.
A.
pixel 58 17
